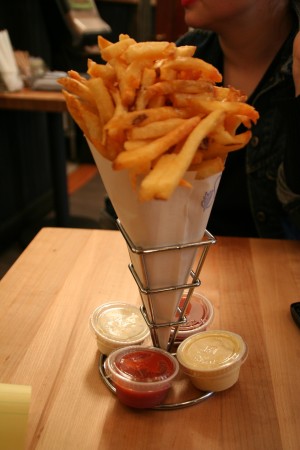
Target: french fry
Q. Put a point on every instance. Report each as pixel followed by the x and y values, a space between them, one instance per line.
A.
pixel 167 88
pixel 131 81
pixel 86 120
pixel 76 87
pixel 149 50
pixel 76 76
pixel 186 50
pixel 145 116
pixel 210 167
pixel 154 130
pixel 217 149
pixel 103 43
pixel 164 186
pixel 157 101
pixel 148 79
pixel 197 158
pixel 156 111
pixel 207 106
pixel 74 107
pixel 148 189
pixel 133 145
pixel 155 148
pixel 104 71
pixel 134 173
pixel 202 68
pixel 184 86
pixel 229 94
pixel 102 98
pixel 222 136
pixel 116 50
pixel 120 109
pixel 167 74
pixel 119 67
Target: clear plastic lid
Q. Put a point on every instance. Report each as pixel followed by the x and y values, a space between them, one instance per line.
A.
pixel 199 314
pixel 211 350
pixel 119 322
pixel 142 365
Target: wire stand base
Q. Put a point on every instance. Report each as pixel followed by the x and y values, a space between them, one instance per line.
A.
pixel 139 257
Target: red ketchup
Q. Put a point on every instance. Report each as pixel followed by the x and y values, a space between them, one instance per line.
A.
pixel 142 376
pixel 199 315
pixel 196 314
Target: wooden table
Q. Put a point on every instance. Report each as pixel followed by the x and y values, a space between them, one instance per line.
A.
pixel 45 341
pixel 54 104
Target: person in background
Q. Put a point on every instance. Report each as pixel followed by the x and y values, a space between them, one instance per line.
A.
pixel 255 44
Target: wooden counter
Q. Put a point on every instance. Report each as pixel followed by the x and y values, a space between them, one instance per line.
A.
pixel 54 103
pixel 45 341
pixel 29 100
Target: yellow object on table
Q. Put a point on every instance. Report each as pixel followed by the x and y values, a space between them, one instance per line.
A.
pixel 14 409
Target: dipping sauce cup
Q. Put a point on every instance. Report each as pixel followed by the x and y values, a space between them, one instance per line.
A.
pixel 118 325
pixel 142 376
pixel 212 359
pixel 199 315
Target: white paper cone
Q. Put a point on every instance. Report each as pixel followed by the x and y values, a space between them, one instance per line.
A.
pixel 180 220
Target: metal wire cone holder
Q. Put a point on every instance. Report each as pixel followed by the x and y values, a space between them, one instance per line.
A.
pixel 146 308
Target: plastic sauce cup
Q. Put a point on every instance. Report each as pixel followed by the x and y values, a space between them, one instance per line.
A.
pixel 199 315
pixel 212 359
pixel 142 376
pixel 118 325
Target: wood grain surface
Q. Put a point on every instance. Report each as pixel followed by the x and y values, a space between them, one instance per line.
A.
pixel 46 299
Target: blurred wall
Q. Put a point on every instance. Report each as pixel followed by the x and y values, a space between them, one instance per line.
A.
pixel 25 176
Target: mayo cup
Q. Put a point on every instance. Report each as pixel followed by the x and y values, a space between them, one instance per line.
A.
pixel 212 359
pixel 118 325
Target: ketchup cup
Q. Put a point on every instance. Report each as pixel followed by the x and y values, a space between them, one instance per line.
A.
pixel 199 315
pixel 142 376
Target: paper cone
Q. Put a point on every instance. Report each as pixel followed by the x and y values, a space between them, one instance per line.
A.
pixel 180 220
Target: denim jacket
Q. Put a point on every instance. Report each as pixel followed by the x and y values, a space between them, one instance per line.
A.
pixel 275 209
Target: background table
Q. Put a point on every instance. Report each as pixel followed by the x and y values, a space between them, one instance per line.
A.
pixel 29 100
pixel 45 341
pixel 54 104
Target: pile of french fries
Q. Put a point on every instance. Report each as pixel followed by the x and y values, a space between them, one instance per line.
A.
pixel 158 112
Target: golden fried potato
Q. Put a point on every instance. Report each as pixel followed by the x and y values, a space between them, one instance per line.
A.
pixel 156 111
pixel 154 130
pixel 156 148
pixel 163 187
pixel 77 88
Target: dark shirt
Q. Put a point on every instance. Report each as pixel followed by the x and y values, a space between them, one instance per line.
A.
pixel 231 214
pixel 246 203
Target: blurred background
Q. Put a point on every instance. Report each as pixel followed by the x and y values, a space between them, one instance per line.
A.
pixel 63 34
